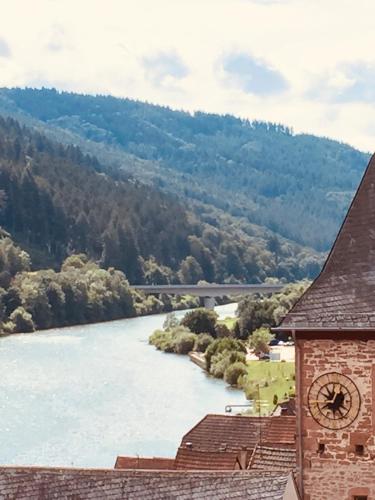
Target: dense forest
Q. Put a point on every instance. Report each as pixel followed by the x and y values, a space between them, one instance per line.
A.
pixel 249 173
pixel 57 201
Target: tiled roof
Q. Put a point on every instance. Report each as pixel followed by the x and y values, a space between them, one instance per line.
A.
pixel 154 463
pixel 226 433
pixel 192 459
pixel 343 295
pixel 34 483
pixel 281 430
pixel 273 459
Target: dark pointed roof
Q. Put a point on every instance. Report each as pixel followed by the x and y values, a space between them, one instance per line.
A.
pixel 343 295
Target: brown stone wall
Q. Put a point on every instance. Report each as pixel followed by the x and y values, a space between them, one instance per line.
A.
pixel 338 472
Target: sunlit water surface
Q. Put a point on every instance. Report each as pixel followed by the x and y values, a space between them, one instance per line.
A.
pixel 82 395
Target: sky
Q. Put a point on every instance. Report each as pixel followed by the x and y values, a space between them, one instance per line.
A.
pixel 309 64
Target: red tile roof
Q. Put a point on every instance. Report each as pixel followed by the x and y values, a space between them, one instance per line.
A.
pixel 194 459
pixel 273 459
pixel 233 433
pixel 281 430
pixel 36 483
pixel 343 295
pixel 154 463
pixel 226 433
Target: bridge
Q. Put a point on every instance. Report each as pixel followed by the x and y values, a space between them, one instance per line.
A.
pixel 209 291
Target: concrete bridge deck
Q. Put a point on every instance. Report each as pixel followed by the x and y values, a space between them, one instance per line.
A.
pixel 209 290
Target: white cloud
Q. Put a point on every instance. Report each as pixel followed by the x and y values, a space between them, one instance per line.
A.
pixel 252 75
pixel 167 52
pixel 164 68
pixel 350 82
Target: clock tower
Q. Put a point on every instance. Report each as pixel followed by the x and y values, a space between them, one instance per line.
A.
pixel 333 325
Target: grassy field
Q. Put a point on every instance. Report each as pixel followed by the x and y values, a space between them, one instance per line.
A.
pixel 273 378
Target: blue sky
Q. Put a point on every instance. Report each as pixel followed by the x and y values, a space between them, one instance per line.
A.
pixel 307 63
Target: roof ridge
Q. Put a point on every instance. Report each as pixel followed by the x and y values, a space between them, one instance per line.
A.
pixel 83 470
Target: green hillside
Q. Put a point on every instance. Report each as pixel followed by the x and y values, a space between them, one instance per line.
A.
pixel 257 173
pixel 56 201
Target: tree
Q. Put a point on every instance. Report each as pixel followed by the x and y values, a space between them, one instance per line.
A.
pixel 201 321
pixel 274 246
pixel 11 300
pixel 190 271
pixel 259 340
pixel 255 313
pixel 23 320
pixel 171 321
pixel 76 261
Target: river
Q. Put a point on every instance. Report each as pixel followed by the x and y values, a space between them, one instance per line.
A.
pixel 82 395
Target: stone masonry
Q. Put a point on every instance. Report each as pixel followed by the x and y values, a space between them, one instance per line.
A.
pixel 339 471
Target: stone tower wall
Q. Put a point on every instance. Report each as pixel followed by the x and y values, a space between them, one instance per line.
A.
pixel 339 472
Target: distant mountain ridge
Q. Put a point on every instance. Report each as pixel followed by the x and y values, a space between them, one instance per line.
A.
pixel 253 174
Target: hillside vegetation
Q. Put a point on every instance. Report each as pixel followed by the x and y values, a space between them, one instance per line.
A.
pixel 56 201
pixel 253 174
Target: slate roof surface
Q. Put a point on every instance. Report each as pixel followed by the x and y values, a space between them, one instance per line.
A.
pixel 154 463
pixel 226 433
pixel 273 459
pixel 34 483
pixel 343 295
pixel 193 459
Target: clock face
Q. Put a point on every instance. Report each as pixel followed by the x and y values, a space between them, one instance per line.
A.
pixel 334 400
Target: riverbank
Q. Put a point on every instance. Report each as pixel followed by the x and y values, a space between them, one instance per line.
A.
pixel 147 306
pixel 269 382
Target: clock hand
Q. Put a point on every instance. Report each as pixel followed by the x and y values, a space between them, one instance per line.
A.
pixel 336 391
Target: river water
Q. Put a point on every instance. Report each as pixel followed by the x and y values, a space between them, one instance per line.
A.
pixel 80 396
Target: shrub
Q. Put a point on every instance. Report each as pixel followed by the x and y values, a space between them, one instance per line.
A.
pixel 234 371
pixel 202 342
pixel 222 360
pixel 219 364
pixel 201 321
pixel 184 342
pixel 221 345
pixel 22 320
pixel 178 339
pixel 162 341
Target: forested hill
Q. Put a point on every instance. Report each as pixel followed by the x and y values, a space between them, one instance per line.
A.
pixel 55 201
pixel 298 186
